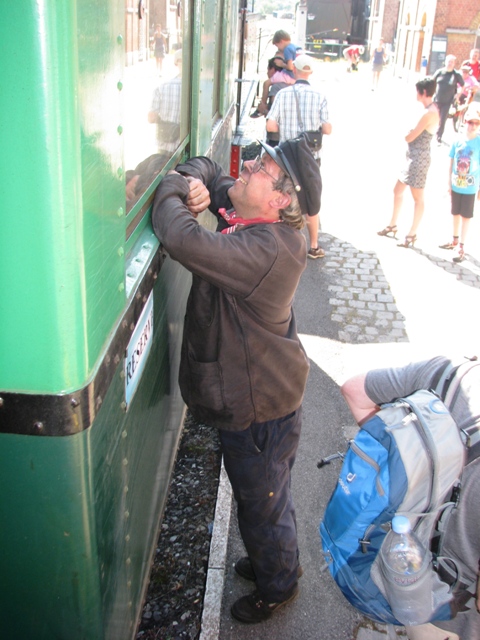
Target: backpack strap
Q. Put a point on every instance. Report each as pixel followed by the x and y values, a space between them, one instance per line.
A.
pixel 451 376
pixel 448 388
pixel 438 381
pixel 299 115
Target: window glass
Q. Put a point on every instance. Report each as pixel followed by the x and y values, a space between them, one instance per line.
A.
pixel 217 72
pixel 156 89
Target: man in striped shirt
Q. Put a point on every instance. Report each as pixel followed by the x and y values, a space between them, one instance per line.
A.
pixel 284 118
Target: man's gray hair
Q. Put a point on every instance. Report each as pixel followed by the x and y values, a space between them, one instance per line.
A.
pixel 292 214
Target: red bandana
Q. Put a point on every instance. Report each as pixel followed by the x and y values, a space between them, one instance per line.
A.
pixel 238 223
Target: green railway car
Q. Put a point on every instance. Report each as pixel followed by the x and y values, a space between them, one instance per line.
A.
pixel 99 99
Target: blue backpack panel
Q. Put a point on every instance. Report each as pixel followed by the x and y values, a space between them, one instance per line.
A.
pixel 403 461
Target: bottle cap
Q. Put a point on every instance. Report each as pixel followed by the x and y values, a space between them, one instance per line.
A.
pixel 401 524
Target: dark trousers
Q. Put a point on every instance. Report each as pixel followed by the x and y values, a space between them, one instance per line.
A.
pixel 443 108
pixel 258 462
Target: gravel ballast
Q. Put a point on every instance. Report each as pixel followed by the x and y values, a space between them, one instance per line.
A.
pixel 174 600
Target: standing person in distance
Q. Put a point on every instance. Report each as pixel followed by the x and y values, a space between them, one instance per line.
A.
pixel 474 63
pixel 464 182
pixel 284 118
pixel 160 47
pixel 414 175
pixel 447 79
pixel 379 58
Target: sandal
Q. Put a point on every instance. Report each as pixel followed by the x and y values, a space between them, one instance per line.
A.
pixel 387 231
pixel 461 255
pixel 409 240
pixel 450 245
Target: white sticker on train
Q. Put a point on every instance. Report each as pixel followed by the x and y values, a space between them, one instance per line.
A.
pixel 138 349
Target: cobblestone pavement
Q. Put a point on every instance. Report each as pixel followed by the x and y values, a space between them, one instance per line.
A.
pixel 361 300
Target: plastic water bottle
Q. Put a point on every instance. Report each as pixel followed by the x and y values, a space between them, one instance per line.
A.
pixel 406 567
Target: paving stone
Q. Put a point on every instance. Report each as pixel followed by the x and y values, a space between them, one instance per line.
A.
pixel 357 304
pixel 364 272
pixel 387 315
pixel 368 297
pixel 352 329
pixel 365 313
pixel 376 306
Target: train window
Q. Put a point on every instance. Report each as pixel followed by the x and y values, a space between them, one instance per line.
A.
pixel 218 58
pixel 156 90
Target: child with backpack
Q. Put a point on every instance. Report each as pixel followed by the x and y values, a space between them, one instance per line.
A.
pixel 460 540
pixel 464 180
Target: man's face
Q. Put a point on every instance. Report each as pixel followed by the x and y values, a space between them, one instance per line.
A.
pixel 450 62
pixel 475 55
pixel 254 189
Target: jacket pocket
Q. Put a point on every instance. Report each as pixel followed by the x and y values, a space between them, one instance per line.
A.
pixel 205 384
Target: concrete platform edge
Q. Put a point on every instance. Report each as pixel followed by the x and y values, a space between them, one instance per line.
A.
pixel 212 604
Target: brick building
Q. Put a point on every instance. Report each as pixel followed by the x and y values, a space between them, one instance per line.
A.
pixel 425 29
pixel 383 21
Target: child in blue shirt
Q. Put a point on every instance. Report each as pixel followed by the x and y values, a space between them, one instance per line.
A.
pixel 464 180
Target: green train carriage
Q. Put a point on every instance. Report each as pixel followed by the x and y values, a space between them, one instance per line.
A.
pixel 91 308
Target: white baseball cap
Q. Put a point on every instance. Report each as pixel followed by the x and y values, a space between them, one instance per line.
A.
pixel 303 62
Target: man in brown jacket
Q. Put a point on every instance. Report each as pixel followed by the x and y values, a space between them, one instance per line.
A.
pixel 243 368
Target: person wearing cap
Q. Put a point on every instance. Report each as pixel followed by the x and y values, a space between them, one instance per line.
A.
pixel 464 182
pixel 290 122
pixel 447 79
pixel 243 368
